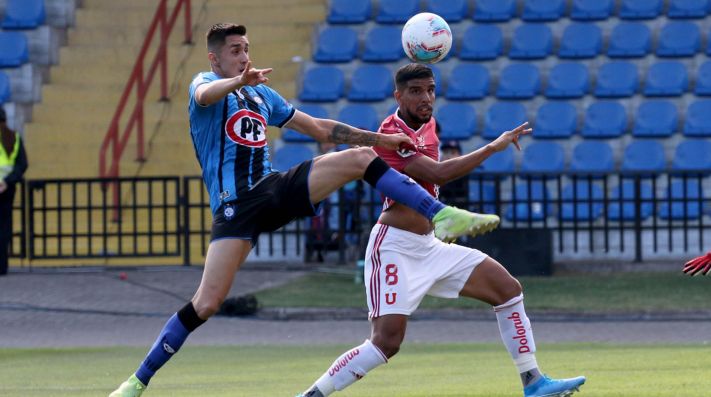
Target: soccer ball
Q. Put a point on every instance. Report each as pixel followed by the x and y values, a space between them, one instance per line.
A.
pixel 426 38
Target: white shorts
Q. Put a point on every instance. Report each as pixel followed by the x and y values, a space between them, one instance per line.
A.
pixel 401 267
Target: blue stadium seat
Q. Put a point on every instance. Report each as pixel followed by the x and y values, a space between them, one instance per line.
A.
pixel 655 118
pixel 604 119
pixel 371 83
pixel 688 8
pixel 543 10
pixel 502 162
pixel 519 80
pixel 23 14
pixel 581 201
pixel 703 79
pixel 644 155
pixel 396 11
pixel 617 79
pixel 682 200
pixel 482 196
pixel 468 81
pixel 4 88
pixel 624 197
pixel 580 40
pixel 349 11
pixel 439 85
pixel 568 80
pixel 556 120
pixel 458 121
pixel 666 78
pixel 322 84
pixel 360 115
pixel 481 41
pixel 531 41
pixel 698 118
pixel 679 39
pixel 532 200
pixel 494 10
pixel 450 10
pixel 503 116
pixel 543 156
pixel 630 40
pixel 592 156
pixel 591 10
pixel 312 110
pixel 640 9
pixel 13 49
pixel 336 44
pixel 290 155
pixel 383 44
pixel 693 155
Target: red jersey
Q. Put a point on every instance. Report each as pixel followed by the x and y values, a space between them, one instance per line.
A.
pixel 426 142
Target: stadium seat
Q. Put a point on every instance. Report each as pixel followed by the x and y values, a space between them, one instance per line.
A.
pixel 624 196
pixel 581 201
pixel 644 155
pixel 630 40
pixel 371 83
pixel 360 115
pixel 439 84
pixel 494 10
pixel 531 201
pixel 604 119
pixel 592 156
pixel 481 41
pixel 590 10
pixel 531 41
pixel 322 84
pixel 688 8
pixel 580 40
pixel 450 10
pixel 349 11
pixel 693 155
pixel 503 116
pixel 13 49
pixel 682 200
pixel 312 110
pixel 656 118
pixel 617 79
pixel 482 196
pixel 640 9
pixel 468 81
pixel 519 80
pixel 23 14
pixel 383 44
pixel 336 44
pixel 703 79
pixel 543 10
pixel 290 155
pixel 698 118
pixel 543 156
pixel 556 120
pixel 568 80
pixel 666 78
pixel 458 121
pixel 679 39
pixel 499 162
pixel 4 88
pixel 396 11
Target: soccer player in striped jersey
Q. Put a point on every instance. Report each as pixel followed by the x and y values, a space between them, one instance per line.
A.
pixel 230 108
pixel 404 261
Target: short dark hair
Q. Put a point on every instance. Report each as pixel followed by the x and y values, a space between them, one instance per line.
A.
pixel 411 71
pixel 219 31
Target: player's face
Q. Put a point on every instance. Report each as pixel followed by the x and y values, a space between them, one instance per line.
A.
pixel 233 57
pixel 416 100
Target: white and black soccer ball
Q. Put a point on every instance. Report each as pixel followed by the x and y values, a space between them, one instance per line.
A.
pixel 426 38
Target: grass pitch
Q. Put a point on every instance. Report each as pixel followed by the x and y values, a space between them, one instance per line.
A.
pixel 420 370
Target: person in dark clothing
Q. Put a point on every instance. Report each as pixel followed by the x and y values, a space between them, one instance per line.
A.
pixel 13 163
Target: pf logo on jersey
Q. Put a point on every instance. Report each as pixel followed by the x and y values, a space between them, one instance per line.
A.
pixel 247 128
pixel 404 153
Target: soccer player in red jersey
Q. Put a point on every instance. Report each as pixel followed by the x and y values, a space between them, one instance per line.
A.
pixel 404 261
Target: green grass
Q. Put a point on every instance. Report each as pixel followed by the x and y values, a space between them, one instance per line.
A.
pixel 462 370
pixel 621 293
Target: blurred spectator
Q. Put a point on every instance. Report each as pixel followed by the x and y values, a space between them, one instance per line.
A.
pixel 455 192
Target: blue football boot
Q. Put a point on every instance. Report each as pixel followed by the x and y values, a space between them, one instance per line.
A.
pixel 547 387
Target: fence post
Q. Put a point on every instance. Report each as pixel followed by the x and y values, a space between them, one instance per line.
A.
pixel 637 218
pixel 185 203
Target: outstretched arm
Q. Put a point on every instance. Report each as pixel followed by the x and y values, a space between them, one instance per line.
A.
pixel 209 93
pixel 701 265
pixel 427 169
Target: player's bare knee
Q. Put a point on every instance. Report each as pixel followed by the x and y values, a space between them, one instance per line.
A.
pixel 389 345
pixel 362 157
pixel 206 308
pixel 510 289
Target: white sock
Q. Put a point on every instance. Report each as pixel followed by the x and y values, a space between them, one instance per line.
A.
pixel 350 367
pixel 516 333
